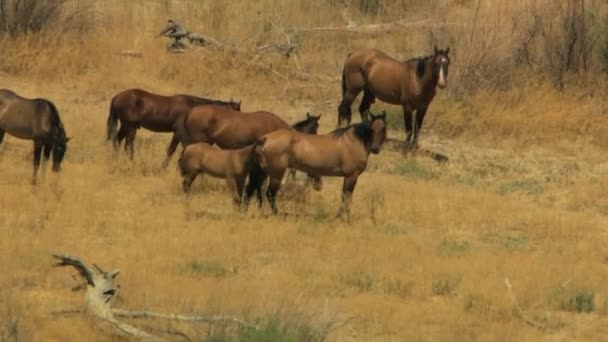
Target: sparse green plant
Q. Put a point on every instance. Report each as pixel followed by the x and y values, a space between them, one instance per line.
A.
pixel 514 241
pixel 398 287
pixel 394 229
pixel 207 268
pixel 444 285
pixel 450 248
pixel 363 281
pixel 412 169
pixel 581 301
pixel 528 186
pixel 476 303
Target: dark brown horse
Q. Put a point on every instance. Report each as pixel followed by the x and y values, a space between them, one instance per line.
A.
pixel 411 84
pixel 341 153
pixel 232 165
pixel 137 108
pixel 37 120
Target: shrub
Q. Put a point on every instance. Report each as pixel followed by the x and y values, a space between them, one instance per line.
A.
pixel 26 16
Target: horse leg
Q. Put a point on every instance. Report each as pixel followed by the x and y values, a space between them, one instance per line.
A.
pixel 170 150
pixel 130 142
pixel 316 181
pixel 37 153
pixel 187 182
pixel 1 135
pixel 236 187
pixel 366 103
pixel 46 154
pixel 344 112
pixel 122 132
pixel 347 195
pixel 271 193
pixel 408 120
pixel 420 113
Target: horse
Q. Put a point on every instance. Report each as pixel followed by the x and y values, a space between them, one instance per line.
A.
pixel 411 84
pixel 137 108
pixel 34 119
pixel 232 165
pixel 341 153
pixel 231 129
pixel 310 125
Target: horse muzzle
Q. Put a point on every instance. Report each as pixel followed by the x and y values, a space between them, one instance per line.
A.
pixel 442 85
pixel 375 150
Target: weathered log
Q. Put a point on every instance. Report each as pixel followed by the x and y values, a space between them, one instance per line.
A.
pixel 101 291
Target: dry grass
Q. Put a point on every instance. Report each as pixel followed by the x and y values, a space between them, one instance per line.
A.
pixel 429 246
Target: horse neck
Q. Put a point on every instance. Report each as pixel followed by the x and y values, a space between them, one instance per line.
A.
pixel 352 135
pixel 429 78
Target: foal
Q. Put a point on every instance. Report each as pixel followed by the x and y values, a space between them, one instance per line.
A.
pixel 233 165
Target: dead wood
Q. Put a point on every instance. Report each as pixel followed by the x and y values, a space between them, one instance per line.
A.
pixel 101 291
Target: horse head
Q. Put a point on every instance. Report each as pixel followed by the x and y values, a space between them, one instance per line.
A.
pixel 377 126
pixel 441 63
pixel 59 150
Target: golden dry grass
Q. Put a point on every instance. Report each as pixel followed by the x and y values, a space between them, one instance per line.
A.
pixel 429 246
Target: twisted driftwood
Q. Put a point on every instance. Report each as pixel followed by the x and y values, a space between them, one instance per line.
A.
pixel 101 291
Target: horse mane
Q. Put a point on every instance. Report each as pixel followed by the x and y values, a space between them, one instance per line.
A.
pixel 301 124
pixel 195 100
pixel 363 131
pixel 59 130
pixel 420 64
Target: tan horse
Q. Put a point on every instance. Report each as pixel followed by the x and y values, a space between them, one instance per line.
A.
pixel 137 108
pixel 341 153
pixel 232 165
pixel 225 127
pixel 37 120
pixel 411 84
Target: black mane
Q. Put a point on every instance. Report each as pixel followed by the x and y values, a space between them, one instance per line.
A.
pixel 420 64
pixel 363 131
pixel 301 124
pixel 194 100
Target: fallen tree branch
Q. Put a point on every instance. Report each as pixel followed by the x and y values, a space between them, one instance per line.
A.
pixel 520 311
pixel 179 317
pixel 101 291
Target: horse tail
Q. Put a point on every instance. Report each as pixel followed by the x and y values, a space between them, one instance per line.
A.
pixel 181 162
pixel 112 124
pixel 344 75
pixel 180 130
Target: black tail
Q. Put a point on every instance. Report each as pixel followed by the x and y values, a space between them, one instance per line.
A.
pixel 181 132
pixel 257 176
pixel 112 124
pixel 180 163
pixel 343 76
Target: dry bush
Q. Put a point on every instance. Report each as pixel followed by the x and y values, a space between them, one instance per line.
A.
pixel 19 17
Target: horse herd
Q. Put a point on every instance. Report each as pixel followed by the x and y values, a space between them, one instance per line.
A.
pixel 252 147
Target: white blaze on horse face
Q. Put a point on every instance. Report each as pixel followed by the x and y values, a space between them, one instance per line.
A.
pixel 441 81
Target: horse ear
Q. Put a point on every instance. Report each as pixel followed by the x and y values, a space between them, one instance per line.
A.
pixel 435 50
pixel 318 117
pixel 383 116
pixel 447 50
pixel 67 139
pixel 308 116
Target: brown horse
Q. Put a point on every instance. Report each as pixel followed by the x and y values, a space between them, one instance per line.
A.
pixel 411 84
pixel 232 165
pixel 37 120
pixel 341 153
pixel 231 129
pixel 137 108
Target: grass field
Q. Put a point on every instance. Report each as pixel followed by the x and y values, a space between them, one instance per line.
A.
pixel 429 247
